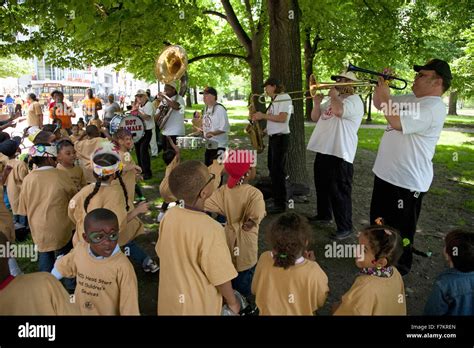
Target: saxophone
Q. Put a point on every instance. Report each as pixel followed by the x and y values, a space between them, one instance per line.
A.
pixel 254 130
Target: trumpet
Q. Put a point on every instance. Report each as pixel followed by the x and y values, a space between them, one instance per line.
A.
pixel 386 77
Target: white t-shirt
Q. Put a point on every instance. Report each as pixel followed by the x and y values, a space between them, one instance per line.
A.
pixel 175 123
pixel 215 119
pixel 337 136
pixel 404 157
pixel 275 108
pixel 148 109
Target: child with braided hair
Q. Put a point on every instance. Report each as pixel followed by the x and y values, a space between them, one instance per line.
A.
pixel 379 289
pixel 124 141
pixel 288 280
pixel 110 192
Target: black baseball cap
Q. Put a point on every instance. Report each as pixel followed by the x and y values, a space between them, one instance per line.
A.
pixel 9 147
pixel 209 90
pixel 440 66
pixel 271 81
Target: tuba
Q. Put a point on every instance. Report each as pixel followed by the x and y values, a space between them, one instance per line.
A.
pixel 254 130
pixel 171 65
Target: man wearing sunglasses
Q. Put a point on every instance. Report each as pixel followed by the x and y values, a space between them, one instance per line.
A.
pixel 403 168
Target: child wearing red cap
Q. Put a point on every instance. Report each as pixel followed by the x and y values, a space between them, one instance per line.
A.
pixel 244 208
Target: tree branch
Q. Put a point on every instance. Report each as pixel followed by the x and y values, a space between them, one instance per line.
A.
pixel 248 7
pixel 215 13
pixel 216 55
pixel 236 26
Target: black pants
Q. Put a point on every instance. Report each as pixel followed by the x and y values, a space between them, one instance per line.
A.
pixel 333 182
pixel 211 154
pixel 160 139
pixel 142 148
pixel 165 145
pixel 400 209
pixel 277 157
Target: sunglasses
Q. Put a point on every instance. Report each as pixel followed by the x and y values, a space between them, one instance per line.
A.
pixel 97 237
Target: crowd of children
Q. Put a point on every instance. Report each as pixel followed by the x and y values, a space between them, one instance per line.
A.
pixel 77 193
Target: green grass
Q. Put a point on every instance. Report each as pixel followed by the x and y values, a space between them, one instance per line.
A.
pixel 469 205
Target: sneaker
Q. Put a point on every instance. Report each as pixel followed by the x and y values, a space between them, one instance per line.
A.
pixel 341 235
pixel 319 220
pixel 151 266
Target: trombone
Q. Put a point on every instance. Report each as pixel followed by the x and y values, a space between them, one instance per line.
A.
pixel 315 86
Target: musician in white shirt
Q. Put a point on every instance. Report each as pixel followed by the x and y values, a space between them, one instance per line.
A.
pixel 215 125
pixel 174 125
pixel 278 118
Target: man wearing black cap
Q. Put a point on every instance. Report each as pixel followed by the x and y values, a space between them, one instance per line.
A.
pixel 278 118
pixel 403 168
pixel 215 125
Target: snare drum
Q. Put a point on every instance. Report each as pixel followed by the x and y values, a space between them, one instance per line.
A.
pixel 189 143
pixel 134 124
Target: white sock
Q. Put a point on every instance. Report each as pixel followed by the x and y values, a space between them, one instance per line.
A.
pixel 15 270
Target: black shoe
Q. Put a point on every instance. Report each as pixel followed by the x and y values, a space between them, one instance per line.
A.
pixel 341 235
pixel 319 220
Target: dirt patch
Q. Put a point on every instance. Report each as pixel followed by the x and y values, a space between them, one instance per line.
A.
pixel 442 211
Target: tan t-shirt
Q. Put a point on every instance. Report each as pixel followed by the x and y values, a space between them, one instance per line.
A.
pixel 109 197
pixel 35 115
pixel 194 259
pixel 85 149
pixel 6 220
pixel 239 204
pixel 165 191
pixel 14 181
pixel 371 295
pixel 76 174
pixel 216 168
pixel 298 290
pixel 129 175
pixel 6 217
pixel 104 286
pixel 37 293
pixel 44 198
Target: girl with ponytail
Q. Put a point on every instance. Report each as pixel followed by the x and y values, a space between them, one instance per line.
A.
pixel 109 192
pixel 288 280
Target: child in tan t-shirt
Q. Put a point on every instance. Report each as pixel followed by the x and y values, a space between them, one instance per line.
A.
pixel 32 294
pixel 106 280
pixel 172 158
pixel 288 280
pixel 379 289
pixel 85 148
pixel 66 162
pixel 244 208
pixel 110 192
pixel 44 197
pixel 196 267
pixel 124 140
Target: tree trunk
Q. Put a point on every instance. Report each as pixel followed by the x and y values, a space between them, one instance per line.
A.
pixel 453 101
pixel 256 79
pixel 188 99
pixel 285 64
pixel 308 69
pixel 195 95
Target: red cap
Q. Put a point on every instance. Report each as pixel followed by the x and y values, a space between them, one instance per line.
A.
pixel 237 164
